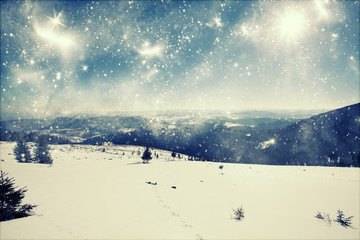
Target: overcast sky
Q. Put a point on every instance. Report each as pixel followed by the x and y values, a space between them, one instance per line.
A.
pixel 98 57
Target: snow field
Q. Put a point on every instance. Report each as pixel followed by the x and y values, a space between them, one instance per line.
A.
pixel 92 194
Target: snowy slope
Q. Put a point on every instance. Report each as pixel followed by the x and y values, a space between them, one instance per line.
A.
pixel 90 194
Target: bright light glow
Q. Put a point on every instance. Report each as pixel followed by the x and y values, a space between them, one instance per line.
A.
pixel 149 51
pixel 291 25
pixel 58 75
pixel 84 68
pixel 63 42
pixel 323 13
pixel 218 22
pixel 266 144
pixel 244 30
pixel 56 20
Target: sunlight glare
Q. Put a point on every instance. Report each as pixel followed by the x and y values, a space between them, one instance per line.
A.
pixel 291 26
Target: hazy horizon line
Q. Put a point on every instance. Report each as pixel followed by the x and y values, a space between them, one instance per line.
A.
pixel 41 115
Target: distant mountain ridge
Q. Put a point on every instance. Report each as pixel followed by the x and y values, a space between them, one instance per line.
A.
pixel 331 138
pixel 327 139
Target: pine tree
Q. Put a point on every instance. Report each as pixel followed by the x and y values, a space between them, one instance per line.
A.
pixel 42 154
pixel 10 200
pixel 344 221
pixel 21 150
pixel 146 157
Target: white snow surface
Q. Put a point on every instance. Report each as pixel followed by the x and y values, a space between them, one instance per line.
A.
pixel 90 194
pixel 230 125
pixel 266 144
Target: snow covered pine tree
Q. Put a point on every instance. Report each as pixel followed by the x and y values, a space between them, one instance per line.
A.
pixel 21 150
pixel 146 157
pixel 42 154
pixel 10 200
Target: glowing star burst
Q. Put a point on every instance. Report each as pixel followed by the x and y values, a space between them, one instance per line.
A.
pixel 62 41
pixel 56 20
pixel 291 25
pixel 84 68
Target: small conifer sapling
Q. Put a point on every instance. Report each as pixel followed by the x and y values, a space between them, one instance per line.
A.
pixel 146 157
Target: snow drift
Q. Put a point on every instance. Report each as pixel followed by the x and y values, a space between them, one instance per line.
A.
pixel 89 193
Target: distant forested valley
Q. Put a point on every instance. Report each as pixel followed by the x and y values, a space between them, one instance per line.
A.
pixel 326 139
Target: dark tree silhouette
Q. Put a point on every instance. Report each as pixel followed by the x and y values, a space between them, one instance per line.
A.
pixel 21 150
pixel 239 213
pixel 344 221
pixel 42 154
pixel 146 157
pixel 10 200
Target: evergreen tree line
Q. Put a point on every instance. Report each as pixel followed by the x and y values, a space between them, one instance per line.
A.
pixel 41 152
pixel 12 136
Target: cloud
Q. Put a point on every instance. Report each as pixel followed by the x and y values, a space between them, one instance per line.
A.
pixel 149 51
pixel 141 59
pixel 215 23
pixel 63 42
pixel 28 76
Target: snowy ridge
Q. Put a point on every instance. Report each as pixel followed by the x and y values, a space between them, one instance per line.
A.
pixel 266 144
pixel 87 185
pixel 328 139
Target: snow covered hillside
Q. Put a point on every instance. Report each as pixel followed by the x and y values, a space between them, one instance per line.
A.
pixel 89 193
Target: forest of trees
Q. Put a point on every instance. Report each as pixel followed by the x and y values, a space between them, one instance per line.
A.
pixel 41 153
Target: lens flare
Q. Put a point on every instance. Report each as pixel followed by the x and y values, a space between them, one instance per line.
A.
pixel 291 26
